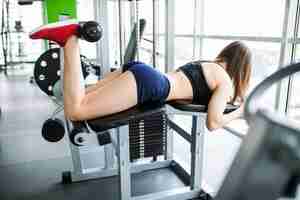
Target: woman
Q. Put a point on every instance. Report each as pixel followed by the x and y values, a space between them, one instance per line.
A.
pixel 213 83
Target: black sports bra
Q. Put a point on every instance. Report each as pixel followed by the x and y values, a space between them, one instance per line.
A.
pixel 194 72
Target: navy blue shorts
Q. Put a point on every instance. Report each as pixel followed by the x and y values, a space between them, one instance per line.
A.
pixel 152 86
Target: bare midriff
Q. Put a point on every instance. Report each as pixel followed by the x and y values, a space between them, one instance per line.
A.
pixel 180 87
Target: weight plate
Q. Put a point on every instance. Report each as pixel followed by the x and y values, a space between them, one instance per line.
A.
pixel 47 70
pixel 53 130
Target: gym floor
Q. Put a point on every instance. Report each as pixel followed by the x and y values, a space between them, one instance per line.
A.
pixel 30 168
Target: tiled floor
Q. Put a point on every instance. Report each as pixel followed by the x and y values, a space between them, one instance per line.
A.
pixel 25 156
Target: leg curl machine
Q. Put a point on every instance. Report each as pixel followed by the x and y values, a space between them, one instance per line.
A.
pixel 135 135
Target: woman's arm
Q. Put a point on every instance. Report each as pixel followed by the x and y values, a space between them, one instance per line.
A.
pixel 218 102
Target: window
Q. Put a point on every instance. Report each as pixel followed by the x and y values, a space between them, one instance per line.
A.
pixel 85 10
pixel 183 50
pixel 244 18
pixel 113 26
pixel 184 17
pixel 146 12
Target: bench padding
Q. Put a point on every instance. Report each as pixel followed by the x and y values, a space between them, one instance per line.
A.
pixel 123 118
pixel 185 105
pixel 139 112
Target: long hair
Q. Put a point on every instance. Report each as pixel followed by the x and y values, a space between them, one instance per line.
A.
pixel 237 56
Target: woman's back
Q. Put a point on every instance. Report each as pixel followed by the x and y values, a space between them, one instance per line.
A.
pixel 197 81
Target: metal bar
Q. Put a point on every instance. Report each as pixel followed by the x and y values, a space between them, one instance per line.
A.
pixel 76 159
pixel 132 16
pixel 135 20
pixel 294 40
pixel 282 87
pixel 180 131
pixel 135 168
pixel 102 47
pixel 175 194
pixel 234 132
pixel 181 173
pixel 173 111
pixel 123 163
pixel 245 38
pixel 170 141
pixel 155 32
pixel 109 156
pixel 138 35
pixel 101 173
pixel 200 10
pixel 230 37
pixel 170 36
pixel 195 29
pixel 197 152
pixel 293 56
pixel 121 31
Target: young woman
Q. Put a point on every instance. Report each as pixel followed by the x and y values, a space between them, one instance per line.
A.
pixel 213 83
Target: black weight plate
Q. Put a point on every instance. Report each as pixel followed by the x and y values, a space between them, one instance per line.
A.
pixel 47 70
pixel 53 130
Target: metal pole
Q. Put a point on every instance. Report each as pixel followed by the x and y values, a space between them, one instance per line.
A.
pixel 102 47
pixel 121 32
pixel 195 29
pixel 201 25
pixel 293 56
pixel 197 151
pixel 169 63
pixel 135 16
pixel 282 88
pixel 123 162
pixel 155 33
pixel 170 35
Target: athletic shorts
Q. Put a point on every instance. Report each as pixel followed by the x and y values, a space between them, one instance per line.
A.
pixel 152 86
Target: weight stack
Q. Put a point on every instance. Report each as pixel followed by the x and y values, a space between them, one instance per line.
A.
pixel 147 136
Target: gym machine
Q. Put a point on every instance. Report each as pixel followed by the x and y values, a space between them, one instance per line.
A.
pixel 140 137
pixel 267 166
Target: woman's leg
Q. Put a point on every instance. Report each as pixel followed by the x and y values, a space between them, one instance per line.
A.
pixel 106 79
pixel 114 96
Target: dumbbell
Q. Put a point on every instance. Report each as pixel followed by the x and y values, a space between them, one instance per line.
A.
pixel 90 31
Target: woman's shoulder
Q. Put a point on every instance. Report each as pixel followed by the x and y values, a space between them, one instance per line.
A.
pixel 216 74
pixel 213 68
